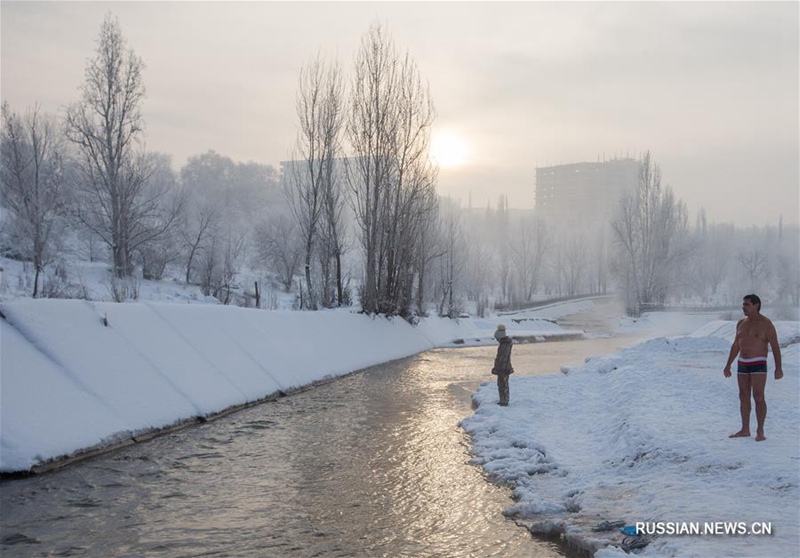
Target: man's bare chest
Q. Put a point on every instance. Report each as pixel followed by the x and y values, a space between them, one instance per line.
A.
pixel 752 332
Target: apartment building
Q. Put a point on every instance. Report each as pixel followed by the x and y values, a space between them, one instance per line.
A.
pixel 583 194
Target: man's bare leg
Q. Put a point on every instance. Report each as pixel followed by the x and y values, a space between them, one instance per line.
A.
pixel 759 381
pixel 744 405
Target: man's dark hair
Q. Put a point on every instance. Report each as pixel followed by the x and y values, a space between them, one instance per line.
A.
pixel 753 299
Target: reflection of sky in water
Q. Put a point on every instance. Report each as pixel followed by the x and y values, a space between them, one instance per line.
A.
pixel 372 464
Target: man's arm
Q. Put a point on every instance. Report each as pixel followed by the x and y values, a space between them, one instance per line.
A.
pixel 772 339
pixel 734 351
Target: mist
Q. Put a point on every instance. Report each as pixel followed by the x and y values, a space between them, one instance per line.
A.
pixel 710 102
pixel 713 93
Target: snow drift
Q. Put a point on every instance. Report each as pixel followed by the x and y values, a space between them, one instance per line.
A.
pixel 70 382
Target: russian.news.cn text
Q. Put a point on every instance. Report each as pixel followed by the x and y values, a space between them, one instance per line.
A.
pixel 703 528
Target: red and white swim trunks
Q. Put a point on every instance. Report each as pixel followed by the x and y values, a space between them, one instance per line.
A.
pixel 756 365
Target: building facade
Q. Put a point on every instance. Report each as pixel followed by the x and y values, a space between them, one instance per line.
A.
pixel 584 194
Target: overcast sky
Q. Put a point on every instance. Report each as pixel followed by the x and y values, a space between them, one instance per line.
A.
pixel 711 89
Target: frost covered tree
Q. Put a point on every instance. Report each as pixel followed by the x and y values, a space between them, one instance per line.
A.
pixel 313 188
pixel 155 251
pixel 220 262
pixel 279 247
pixel 32 183
pixel 570 262
pixel 650 231
pixel 530 245
pixel 787 272
pixel 198 225
pixel 711 262
pixel 240 192
pixel 752 255
pixel 502 233
pixel 226 201
pixel 479 268
pixel 428 250
pixel 106 125
pixel 598 258
pixel 453 259
pixel 390 174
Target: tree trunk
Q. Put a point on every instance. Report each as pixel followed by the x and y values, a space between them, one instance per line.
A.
pixel 36 281
pixel 339 286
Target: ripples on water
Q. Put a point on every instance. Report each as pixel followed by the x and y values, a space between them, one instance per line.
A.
pixel 373 464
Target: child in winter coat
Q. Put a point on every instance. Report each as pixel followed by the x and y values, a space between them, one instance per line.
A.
pixel 502 363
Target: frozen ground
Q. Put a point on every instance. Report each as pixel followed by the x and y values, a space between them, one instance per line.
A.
pixel 641 435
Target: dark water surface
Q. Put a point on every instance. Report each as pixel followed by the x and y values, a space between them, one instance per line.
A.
pixel 373 464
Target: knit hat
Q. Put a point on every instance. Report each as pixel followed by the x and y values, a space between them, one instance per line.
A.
pixel 501 332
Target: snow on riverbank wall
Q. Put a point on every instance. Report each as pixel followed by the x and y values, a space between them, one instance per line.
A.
pixel 69 382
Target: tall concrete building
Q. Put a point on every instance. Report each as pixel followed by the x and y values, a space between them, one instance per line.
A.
pixel 583 194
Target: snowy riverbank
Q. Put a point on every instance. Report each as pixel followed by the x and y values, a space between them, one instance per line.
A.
pixel 69 382
pixel 641 435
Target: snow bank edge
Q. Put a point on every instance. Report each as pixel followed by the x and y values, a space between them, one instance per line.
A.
pixel 79 378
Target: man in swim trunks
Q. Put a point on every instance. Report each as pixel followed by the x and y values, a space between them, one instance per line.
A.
pixel 753 334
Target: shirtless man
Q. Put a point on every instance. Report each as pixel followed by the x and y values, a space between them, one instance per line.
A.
pixel 753 333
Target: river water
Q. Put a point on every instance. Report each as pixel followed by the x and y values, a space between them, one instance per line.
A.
pixel 373 464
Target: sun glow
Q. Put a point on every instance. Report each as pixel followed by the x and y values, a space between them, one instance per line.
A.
pixel 449 149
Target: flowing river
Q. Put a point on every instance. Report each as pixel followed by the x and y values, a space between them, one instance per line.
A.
pixel 372 464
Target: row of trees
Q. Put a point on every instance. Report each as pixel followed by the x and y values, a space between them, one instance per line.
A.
pixel 511 259
pixel 235 216
pixel 386 174
pixel 356 205
pixel 33 184
pixel 650 232
pixel 102 178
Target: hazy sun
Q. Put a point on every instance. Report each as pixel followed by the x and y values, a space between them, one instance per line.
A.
pixel 449 149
